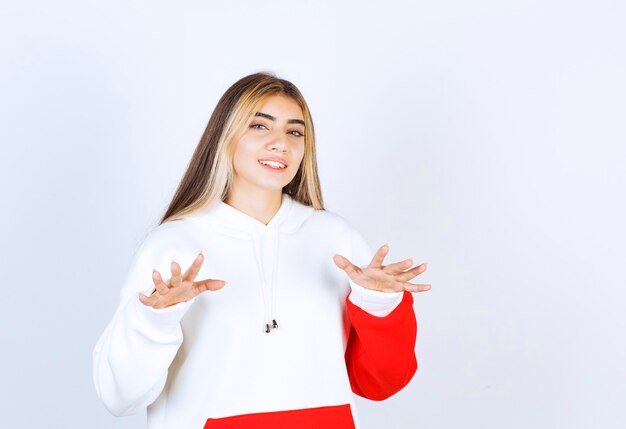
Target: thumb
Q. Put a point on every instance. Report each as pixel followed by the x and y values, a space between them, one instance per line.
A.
pixel 343 263
pixel 209 284
pixel 340 261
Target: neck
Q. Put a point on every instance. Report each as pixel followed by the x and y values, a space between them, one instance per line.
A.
pixel 259 204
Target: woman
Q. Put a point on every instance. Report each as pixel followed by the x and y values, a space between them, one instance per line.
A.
pixel 298 313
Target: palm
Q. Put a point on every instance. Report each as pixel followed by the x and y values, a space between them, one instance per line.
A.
pixel 180 287
pixel 385 278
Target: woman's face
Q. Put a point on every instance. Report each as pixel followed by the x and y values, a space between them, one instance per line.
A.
pixel 275 132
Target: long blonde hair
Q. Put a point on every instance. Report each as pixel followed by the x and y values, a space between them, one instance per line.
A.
pixel 210 171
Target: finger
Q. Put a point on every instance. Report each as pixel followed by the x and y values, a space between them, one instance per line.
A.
pixel 343 263
pixel 412 287
pixel 398 267
pixel 379 256
pixel 176 278
pixel 412 273
pixel 161 287
pixel 208 284
pixel 147 300
pixel 194 269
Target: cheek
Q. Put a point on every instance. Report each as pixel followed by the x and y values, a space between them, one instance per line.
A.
pixel 245 152
pixel 245 145
pixel 299 152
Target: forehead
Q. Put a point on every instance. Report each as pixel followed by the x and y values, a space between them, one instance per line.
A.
pixel 281 107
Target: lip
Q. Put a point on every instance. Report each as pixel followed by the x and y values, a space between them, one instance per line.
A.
pixel 275 158
pixel 272 169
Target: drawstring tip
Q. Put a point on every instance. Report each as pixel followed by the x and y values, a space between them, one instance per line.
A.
pixel 269 327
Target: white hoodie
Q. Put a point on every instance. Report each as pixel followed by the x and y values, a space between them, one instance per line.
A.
pixel 229 371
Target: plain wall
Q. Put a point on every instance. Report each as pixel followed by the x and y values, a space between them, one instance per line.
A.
pixel 486 138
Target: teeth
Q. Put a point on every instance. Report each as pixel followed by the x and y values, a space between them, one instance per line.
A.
pixel 273 164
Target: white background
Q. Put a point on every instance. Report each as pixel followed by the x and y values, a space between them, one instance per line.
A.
pixel 486 138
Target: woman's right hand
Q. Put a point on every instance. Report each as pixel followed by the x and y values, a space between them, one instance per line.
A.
pixel 179 288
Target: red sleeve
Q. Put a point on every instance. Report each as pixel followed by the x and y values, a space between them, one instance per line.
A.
pixel 380 355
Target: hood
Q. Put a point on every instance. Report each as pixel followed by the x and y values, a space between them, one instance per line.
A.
pixel 265 240
pixel 288 219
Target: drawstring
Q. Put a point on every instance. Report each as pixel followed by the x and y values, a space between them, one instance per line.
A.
pixel 269 302
pixel 259 263
pixel 273 285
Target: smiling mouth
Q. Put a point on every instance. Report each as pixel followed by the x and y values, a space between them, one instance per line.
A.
pixel 273 164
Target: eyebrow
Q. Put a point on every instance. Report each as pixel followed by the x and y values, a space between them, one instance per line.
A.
pixel 272 118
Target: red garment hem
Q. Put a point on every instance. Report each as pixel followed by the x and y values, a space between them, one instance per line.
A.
pixel 333 417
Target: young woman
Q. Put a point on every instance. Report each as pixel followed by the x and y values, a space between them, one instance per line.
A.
pixel 298 313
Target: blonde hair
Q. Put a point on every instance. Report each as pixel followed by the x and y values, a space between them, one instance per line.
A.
pixel 210 171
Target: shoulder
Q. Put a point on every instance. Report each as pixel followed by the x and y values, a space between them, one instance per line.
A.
pixel 347 239
pixel 168 240
pixel 174 240
pixel 333 222
pixel 167 233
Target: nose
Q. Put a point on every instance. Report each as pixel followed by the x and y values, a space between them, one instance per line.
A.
pixel 279 144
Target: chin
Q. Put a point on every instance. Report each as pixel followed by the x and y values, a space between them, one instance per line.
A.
pixel 275 184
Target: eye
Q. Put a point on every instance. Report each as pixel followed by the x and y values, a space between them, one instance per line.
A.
pixel 299 133
pixel 255 125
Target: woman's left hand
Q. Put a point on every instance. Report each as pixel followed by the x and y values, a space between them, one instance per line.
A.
pixel 384 278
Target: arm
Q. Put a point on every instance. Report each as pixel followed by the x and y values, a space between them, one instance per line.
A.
pixel 380 355
pixel 132 356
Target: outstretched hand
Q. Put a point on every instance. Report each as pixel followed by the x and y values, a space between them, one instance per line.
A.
pixel 179 288
pixel 384 278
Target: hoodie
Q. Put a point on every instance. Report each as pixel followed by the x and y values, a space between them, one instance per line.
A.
pixel 285 343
